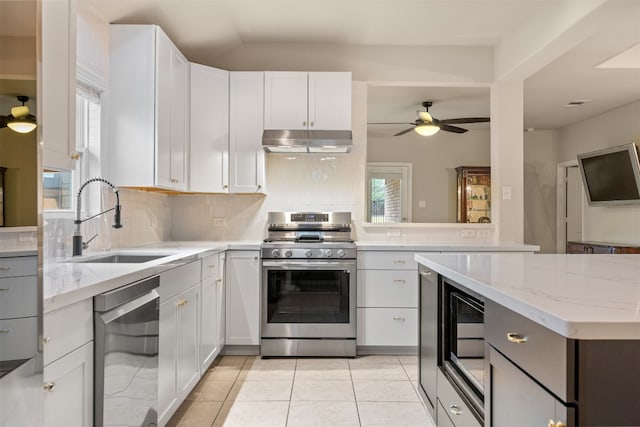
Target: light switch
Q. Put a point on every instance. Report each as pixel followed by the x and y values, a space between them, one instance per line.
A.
pixel 506 193
pixel 422 203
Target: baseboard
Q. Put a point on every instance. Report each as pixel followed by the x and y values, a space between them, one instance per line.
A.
pixel 240 350
pixel 408 350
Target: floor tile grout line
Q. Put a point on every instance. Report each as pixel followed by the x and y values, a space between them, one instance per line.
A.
pixel 355 398
pixel 293 382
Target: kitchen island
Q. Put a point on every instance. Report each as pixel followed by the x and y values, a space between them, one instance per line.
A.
pixel 561 333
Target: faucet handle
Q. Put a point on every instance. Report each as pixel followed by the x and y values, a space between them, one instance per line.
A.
pixel 85 245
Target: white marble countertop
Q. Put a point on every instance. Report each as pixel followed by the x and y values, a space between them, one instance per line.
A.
pixel 577 296
pixel 446 246
pixel 68 282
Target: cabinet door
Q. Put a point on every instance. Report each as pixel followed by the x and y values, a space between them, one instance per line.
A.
pixel 242 276
pixel 188 372
pixel 208 323
pixel 69 384
pixel 246 155
pixel 428 339
pixel 330 101
pixel 517 399
pixel 164 61
pixel 167 360
pixel 57 120
pixel 179 127
pixel 285 100
pixel 221 303
pixel 209 129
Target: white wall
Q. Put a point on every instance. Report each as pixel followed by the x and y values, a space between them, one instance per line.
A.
pixel 616 224
pixel 434 161
pixel 540 158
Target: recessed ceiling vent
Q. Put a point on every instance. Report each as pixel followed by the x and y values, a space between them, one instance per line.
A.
pixel 577 102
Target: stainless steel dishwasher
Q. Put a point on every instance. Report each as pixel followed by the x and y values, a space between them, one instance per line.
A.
pixel 126 355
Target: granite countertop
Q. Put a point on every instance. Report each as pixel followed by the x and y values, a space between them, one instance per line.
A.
pixel 68 282
pixel 576 296
pixel 447 246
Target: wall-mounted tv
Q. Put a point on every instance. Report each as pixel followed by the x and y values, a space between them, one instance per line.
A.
pixel 611 176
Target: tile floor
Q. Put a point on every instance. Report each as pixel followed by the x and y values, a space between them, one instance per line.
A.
pixel 251 392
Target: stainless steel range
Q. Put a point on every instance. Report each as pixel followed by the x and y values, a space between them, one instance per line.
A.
pixel 309 285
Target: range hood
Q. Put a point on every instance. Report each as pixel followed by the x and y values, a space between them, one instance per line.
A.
pixel 307 141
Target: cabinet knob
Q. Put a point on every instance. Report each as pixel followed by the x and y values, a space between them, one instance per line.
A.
pixel 304 123
pixel 5 268
pixel 516 338
pixel 75 156
pixel 455 410
pixel 225 186
pixel 49 386
pixel 218 280
pixel 46 340
pixel 556 424
pixel 310 123
pixel 182 302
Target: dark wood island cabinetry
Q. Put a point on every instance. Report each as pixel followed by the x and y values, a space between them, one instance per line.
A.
pixel 601 248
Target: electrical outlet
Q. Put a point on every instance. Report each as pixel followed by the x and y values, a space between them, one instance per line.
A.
pixel 468 233
pixel 422 203
pixel 220 221
pixel 483 233
pixel 25 238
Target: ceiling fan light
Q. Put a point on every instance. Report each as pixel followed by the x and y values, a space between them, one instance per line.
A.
pixel 427 129
pixel 21 124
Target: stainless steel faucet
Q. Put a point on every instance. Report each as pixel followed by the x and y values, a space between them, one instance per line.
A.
pixel 78 244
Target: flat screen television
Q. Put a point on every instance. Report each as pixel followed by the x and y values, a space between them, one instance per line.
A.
pixel 611 176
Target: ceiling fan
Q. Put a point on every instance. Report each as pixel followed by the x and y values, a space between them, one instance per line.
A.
pixel 427 125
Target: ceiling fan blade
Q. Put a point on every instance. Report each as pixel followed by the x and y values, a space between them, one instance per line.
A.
pixel 402 132
pixel 404 123
pixel 449 128
pixel 465 120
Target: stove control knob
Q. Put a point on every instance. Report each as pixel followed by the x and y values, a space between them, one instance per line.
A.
pixel 288 253
pixel 328 253
pixel 308 253
pixel 275 253
pixel 340 253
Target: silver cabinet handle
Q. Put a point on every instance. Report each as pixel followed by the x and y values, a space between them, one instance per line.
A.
pixel 5 268
pixel 49 386
pixel 455 410
pixel 304 123
pixel 399 261
pixel 516 338
pixel 218 280
pixel 211 266
pixel 399 318
pixel 4 289
pixel 4 331
pixel 310 123
pixel 426 273
pixel 399 280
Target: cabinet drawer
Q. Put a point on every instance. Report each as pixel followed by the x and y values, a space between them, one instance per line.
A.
pixel 18 297
pixel 379 260
pixel 18 266
pixel 443 417
pixel 210 266
pixel 544 354
pixel 67 329
pixel 172 282
pixel 387 326
pixel 453 405
pixel 18 338
pixel 394 288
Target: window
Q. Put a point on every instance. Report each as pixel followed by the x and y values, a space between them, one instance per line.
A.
pixel 388 192
pixel 60 187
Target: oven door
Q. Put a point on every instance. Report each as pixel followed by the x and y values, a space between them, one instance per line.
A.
pixel 309 299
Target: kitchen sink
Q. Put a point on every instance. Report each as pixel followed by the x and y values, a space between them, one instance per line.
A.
pixel 122 259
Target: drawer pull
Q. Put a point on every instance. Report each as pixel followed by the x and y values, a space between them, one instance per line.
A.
pixel 558 424
pixel 218 280
pixel 399 280
pixel 399 318
pixel 455 410
pixel 5 268
pixel 4 289
pixel 399 261
pixel 426 273
pixel 46 340
pixel 49 386
pixel 516 338
pixel 183 302
pixel 211 266
pixel 4 331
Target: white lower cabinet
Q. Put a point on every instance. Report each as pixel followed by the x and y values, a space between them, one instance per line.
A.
pixel 68 365
pixel 178 353
pixel 242 277
pixel 68 383
pixel 212 304
pixel 387 299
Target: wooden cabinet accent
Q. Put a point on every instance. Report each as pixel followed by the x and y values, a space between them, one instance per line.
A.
pixel 601 248
pixel 473 194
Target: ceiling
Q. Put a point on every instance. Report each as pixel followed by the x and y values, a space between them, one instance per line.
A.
pixel 205 30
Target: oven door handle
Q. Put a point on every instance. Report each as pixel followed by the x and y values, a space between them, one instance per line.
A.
pixel 307 264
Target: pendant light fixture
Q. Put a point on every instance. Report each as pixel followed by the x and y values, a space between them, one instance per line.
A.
pixel 20 120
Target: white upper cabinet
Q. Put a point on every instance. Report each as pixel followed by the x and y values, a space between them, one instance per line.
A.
pixel 246 156
pixel 301 100
pixel 209 130
pixel 148 101
pixel 57 119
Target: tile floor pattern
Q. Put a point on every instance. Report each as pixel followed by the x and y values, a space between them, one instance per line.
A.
pixel 246 391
